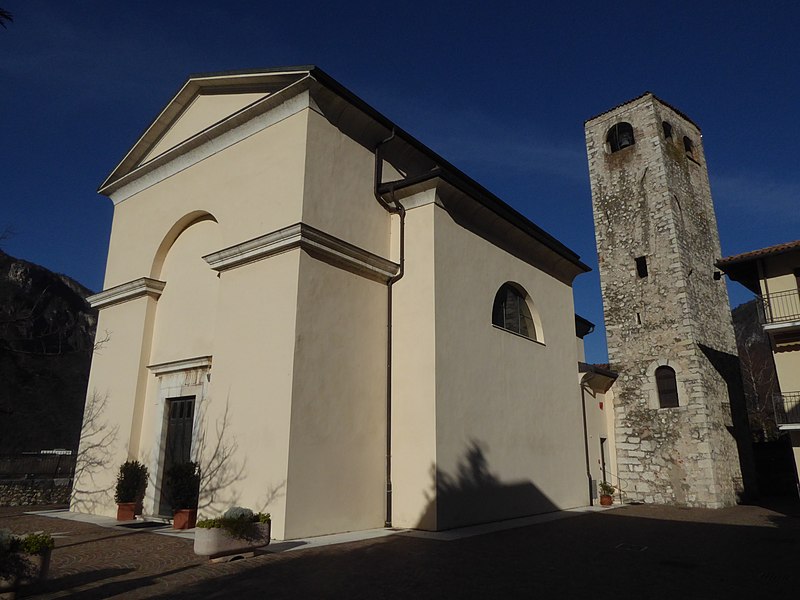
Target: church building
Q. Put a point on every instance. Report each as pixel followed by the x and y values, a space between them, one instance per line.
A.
pixel 337 324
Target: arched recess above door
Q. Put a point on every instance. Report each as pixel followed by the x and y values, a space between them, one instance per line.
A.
pixel 177 228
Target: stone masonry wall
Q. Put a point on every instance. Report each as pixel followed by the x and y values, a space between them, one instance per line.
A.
pixel 31 492
pixel 651 200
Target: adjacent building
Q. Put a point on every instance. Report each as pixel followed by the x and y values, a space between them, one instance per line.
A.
pixel 773 274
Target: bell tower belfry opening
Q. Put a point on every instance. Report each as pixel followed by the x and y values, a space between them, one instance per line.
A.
pixel 668 320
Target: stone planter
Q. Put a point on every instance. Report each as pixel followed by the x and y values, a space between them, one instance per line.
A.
pixel 184 518
pixel 40 566
pixel 218 542
pixel 8 588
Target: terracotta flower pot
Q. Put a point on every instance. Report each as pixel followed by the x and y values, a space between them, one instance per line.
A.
pixel 184 518
pixel 216 541
pixel 126 511
pixel 606 500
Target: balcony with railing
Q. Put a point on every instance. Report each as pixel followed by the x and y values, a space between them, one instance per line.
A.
pixel 781 308
pixel 787 410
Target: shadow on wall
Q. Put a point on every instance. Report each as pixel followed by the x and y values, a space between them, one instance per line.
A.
pixel 729 368
pixel 94 459
pixel 475 495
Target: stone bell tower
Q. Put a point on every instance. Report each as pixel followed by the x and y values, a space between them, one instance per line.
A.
pixel 668 321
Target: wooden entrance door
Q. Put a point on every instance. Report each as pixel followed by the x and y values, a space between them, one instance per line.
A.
pixel 178 444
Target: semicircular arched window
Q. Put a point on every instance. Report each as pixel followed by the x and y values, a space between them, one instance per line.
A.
pixel 511 311
pixel 620 136
pixel 667 387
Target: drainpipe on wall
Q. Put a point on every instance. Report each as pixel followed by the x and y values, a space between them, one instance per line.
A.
pixel 586 443
pixel 393 207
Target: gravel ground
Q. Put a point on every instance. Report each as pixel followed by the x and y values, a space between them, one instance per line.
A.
pixel 633 551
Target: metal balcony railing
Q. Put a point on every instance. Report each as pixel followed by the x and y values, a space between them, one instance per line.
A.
pixel 787 408
pixel 781 307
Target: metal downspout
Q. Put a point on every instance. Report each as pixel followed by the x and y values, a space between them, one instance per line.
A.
pixel 586 443
pixel 393 207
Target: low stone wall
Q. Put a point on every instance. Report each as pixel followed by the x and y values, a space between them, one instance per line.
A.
pixel 30 492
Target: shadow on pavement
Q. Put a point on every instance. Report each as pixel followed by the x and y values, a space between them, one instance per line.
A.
pixel 643 551
pixel 106 590
pixel 67 582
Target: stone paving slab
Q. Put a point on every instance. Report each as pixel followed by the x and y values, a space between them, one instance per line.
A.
pixel 642 551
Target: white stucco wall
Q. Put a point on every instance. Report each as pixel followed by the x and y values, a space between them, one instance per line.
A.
pixel 115 402
pixel 337 438
pixel 338 193
pixel 252 375
pixel 508 413
pixel 250 188
pixel 414 379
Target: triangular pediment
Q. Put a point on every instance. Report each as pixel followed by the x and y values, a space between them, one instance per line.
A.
pixel 204 102
pixel 204 111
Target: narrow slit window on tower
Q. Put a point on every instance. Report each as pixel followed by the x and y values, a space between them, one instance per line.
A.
pixel 688 146
pixel 667 130
pixel 641 267
pixel 667 386
pixel 620 136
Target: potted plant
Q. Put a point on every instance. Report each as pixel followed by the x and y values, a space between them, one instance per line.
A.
pixel 606 493
pixel 184 491
pixel 131 485
pixel 23 560
pixel 237 530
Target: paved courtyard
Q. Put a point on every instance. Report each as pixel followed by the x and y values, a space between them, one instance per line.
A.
pixel 628 552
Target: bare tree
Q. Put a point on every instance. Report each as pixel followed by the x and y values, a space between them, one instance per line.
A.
pixel 759 379
pixel 760 387
pixel 5 17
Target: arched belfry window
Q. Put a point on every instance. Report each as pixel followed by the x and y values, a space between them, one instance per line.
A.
pixel 511 311
pixel 620 136
pixel 667 387
pixel 688 146
pixel 667 130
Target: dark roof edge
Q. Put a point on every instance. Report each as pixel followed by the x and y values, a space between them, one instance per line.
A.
pixel 454 175
pixel 667 104
pixel 583 327
pixel 448 172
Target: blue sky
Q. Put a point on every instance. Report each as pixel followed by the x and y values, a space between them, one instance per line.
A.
pixel 500 89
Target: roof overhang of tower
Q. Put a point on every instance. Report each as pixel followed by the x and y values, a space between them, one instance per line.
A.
pixel 639 98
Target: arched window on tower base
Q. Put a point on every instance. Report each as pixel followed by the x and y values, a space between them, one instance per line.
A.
pixel 667 386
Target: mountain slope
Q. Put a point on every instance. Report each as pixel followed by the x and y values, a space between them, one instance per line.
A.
pixel 46 340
